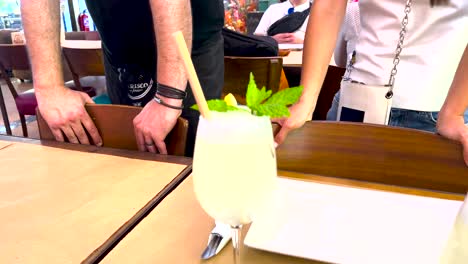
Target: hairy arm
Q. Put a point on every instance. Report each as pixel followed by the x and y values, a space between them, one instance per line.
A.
pixel 170 16
pixel 41 20
pixel 319 44
pixel 451 117
pixel 62 108
pixel 156 121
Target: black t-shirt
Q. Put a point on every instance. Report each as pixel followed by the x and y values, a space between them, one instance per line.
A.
pixel 126 27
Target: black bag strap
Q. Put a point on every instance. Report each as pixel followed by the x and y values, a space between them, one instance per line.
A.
pixel 289 23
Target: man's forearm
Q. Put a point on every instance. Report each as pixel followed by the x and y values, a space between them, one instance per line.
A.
pixel 170 16
pixel 319 44
pixel 41 21
pixel 457 98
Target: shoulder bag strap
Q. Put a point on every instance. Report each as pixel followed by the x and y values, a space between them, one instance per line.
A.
pixel 396 59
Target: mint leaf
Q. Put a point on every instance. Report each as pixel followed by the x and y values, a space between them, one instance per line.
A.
pixel 271 110
pixel 254 95
pixel 261 102
pixel 277 104
pixel 217 105
pixel 286 97
pixel 233 108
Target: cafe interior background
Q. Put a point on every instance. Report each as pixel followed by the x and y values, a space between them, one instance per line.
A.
pixel 437 172
pixel 240 15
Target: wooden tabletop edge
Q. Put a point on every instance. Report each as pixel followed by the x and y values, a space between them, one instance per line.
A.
pixel 370 185
pixel 101 252
pixel 132 154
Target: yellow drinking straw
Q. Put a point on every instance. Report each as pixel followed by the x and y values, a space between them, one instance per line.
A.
pixel 192 75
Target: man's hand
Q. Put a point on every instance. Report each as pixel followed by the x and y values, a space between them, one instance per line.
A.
pixel 453 127
pixel 154 123
pixel 63 110
pixel 287 38
pixel 300 113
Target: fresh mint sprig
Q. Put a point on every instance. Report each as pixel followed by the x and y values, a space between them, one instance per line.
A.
pixel 261 102
pixel 254 95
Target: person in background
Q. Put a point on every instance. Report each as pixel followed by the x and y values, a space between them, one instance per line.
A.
pixel 277 11
pixel 435 45
pixel 142 64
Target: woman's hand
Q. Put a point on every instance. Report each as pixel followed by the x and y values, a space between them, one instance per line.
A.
pixel 453 127
pixel 300 113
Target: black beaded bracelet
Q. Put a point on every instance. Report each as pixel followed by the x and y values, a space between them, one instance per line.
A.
pixel 170 92
pixel 161 102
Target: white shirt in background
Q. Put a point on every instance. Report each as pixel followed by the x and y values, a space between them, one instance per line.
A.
pixel 432 50
pixel 277 11
pixel 349 34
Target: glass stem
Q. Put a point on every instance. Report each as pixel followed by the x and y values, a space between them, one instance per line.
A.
pixel 236 240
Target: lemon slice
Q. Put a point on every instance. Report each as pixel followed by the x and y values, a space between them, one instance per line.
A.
pixel 230 100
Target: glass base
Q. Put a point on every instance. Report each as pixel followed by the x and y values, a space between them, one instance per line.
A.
pixel 236 243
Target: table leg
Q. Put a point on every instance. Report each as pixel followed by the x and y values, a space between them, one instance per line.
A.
pixel 6 122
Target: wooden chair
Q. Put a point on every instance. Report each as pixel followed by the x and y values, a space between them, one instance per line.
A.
pixel 267 72
pixel 115 124
pixel 379 154
pixel 331 85
pixel 82 63
pixel 15 57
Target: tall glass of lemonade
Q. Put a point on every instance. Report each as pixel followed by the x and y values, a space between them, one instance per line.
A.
pixel 234 168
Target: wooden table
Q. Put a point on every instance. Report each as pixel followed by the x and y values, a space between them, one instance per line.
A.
pixel 81 44
pixel 294 59
pixel 177 230
pixel 66 203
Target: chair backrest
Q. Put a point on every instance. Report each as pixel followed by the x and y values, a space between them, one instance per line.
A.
pixel 14 57
pixel 267 72
pixel 115 124
pixel 5 35
pixel 84 62
pixel 381 154
pixel 82 35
